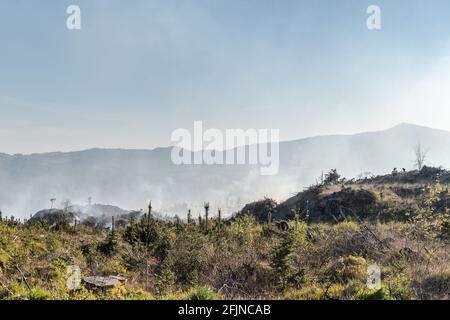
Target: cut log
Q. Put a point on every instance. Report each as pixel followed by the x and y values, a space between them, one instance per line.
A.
pixel 103 282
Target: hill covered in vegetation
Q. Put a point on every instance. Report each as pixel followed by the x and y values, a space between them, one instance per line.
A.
pixel 319 244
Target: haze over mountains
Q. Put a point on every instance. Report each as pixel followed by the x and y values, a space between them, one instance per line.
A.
pixel 129 178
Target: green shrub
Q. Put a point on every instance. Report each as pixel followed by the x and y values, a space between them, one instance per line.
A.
pixel 308 293
pixel 164 281
pixel 39 294
pixel 375 294
pixel 110 245
pixel 203 293
pixel 348 268
pixel 445 229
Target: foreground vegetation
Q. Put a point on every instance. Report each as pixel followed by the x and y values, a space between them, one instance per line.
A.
pixel 246 257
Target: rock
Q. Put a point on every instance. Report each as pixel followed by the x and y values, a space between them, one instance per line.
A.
pixel 53 216
pixel 260 209
pixel 100 282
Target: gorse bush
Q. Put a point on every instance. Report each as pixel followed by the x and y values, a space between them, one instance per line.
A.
pixel 39 294
pixel 202 293
pixel 348 268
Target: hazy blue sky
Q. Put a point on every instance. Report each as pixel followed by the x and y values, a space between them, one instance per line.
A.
pixel 140 69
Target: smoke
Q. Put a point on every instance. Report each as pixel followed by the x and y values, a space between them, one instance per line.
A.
pixel 130 178
pixel 426 100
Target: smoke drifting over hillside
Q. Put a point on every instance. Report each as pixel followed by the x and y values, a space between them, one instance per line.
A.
pixel 130 178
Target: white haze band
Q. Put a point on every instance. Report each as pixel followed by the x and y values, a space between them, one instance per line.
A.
pixel 235 147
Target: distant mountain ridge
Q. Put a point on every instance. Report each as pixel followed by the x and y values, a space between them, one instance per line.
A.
pixel 129 178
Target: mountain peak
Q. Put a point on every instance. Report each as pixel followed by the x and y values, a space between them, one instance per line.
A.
pixel 409 126
pixel 406 125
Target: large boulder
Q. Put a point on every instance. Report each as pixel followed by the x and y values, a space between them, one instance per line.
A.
pixel 54 216
pixel 260 209
pixel 322 204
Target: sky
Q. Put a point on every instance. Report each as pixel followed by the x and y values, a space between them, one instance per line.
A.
pixel 138 70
